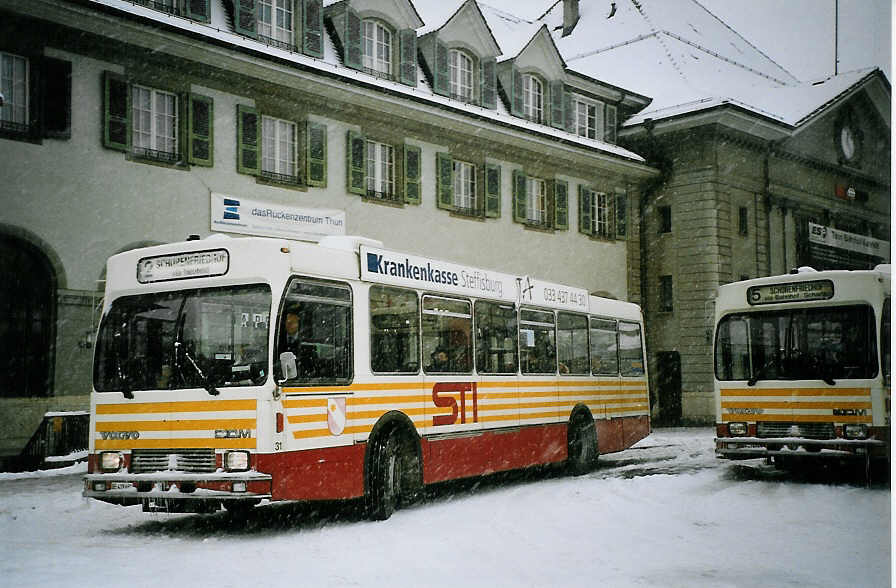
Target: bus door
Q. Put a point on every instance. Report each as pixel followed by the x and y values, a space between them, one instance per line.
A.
pixel 498 398
pixel 633 371
pixel 540 402
pixel 315 328
pixel 604 340
pixel 452 413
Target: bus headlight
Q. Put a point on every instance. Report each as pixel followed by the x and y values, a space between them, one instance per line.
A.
pixel 236 461
pixel 111 461
pixel 855 431
pixel 737 429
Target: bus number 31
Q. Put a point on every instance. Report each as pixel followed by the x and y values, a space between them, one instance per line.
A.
pixel 443 396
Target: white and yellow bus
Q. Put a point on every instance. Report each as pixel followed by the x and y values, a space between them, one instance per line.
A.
pixel 802 366
pixel 232 370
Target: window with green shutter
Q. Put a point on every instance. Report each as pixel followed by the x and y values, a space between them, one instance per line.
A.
pixel 116 112
pixel 561 205
pixel 316 154
pixel 621 213
pixel 352 39
pixel 586 206
pixel 440 72
pixel 248 140
pixel 412 174
pixel 313 25
pixel 198 10
pixel 488 85
pixel 245 20
pixel 558 104
pixel 356 164
pixel 408 47
pixel 519 196
pixel 444 181
pixel 610 124
pixel 516 92
pixel 492 190
pixel 200 134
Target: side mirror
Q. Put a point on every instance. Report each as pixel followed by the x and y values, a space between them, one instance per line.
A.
pixel 288 367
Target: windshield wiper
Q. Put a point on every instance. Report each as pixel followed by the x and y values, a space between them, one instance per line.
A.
pixel 207 382
pixel 119 361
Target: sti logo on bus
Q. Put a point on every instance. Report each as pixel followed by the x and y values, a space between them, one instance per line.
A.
pixel 443 397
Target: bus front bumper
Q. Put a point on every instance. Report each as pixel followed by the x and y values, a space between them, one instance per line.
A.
pixel 758 447
pixel 173 491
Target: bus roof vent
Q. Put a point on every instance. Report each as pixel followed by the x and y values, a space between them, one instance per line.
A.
pixel 805 269
pixel 348 242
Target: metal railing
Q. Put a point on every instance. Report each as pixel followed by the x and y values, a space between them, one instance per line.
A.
pixel 287 179
pixel 58 435
pixel 155 155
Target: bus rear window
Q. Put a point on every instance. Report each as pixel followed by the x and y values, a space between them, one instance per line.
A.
pixel 806 344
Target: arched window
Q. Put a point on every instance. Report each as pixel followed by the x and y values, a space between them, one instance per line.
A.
pixel 27 295
pixel 533 98
pixel 460 79
pixel 376 48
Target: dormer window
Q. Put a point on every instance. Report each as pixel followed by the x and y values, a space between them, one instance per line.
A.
pixel 533 98
pixel 275 18
pixel 594 119
pixel 376 48
pixel 460 80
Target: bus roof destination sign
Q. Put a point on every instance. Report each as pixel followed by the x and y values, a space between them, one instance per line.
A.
pixel 183 266
pixel 791 292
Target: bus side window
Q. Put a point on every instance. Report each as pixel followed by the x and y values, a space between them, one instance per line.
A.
pixel 631 358
pixel 572 343
pixel 394 330
pixel 447 330
pixel 538 351
pixel 604 348
pixel 496 338
pixel 316 325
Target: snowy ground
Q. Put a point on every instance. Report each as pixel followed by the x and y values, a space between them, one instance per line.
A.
pixel 664 513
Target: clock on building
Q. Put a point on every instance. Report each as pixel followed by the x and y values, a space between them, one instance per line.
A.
pixel 848 139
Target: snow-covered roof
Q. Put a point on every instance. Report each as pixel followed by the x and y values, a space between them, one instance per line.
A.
pixel 684 57
pixel 220 29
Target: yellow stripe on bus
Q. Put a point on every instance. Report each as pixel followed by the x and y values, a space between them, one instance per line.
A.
pixel 796 392
pixel 796 405
pixel 179 443
pixel 796 418
pixel 176 425
pixel 186 406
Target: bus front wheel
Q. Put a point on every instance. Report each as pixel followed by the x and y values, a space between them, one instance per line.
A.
pixel 393 476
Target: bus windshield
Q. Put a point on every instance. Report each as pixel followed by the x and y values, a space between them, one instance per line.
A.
pixel 185 339
pixel 806 344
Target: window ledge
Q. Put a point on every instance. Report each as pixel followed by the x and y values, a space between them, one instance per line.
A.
pixel 468 213
pixel 383 198
pixel 543 227
pixel 160 158
pixel 282 180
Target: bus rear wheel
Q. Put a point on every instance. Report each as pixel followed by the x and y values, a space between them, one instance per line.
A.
pixel 581 445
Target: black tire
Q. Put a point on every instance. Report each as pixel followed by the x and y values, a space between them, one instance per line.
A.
pixel 581 445
pixel 384 492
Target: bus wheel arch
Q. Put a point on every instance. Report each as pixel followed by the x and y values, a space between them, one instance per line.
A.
pixel 393 466
pixel 581 441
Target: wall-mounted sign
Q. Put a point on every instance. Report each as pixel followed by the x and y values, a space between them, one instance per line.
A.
pixel 791 292
pixel 823 235
pixel 183 266
pixel 231 214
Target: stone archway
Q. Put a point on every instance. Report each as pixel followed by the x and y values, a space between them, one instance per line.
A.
pixel 28 285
